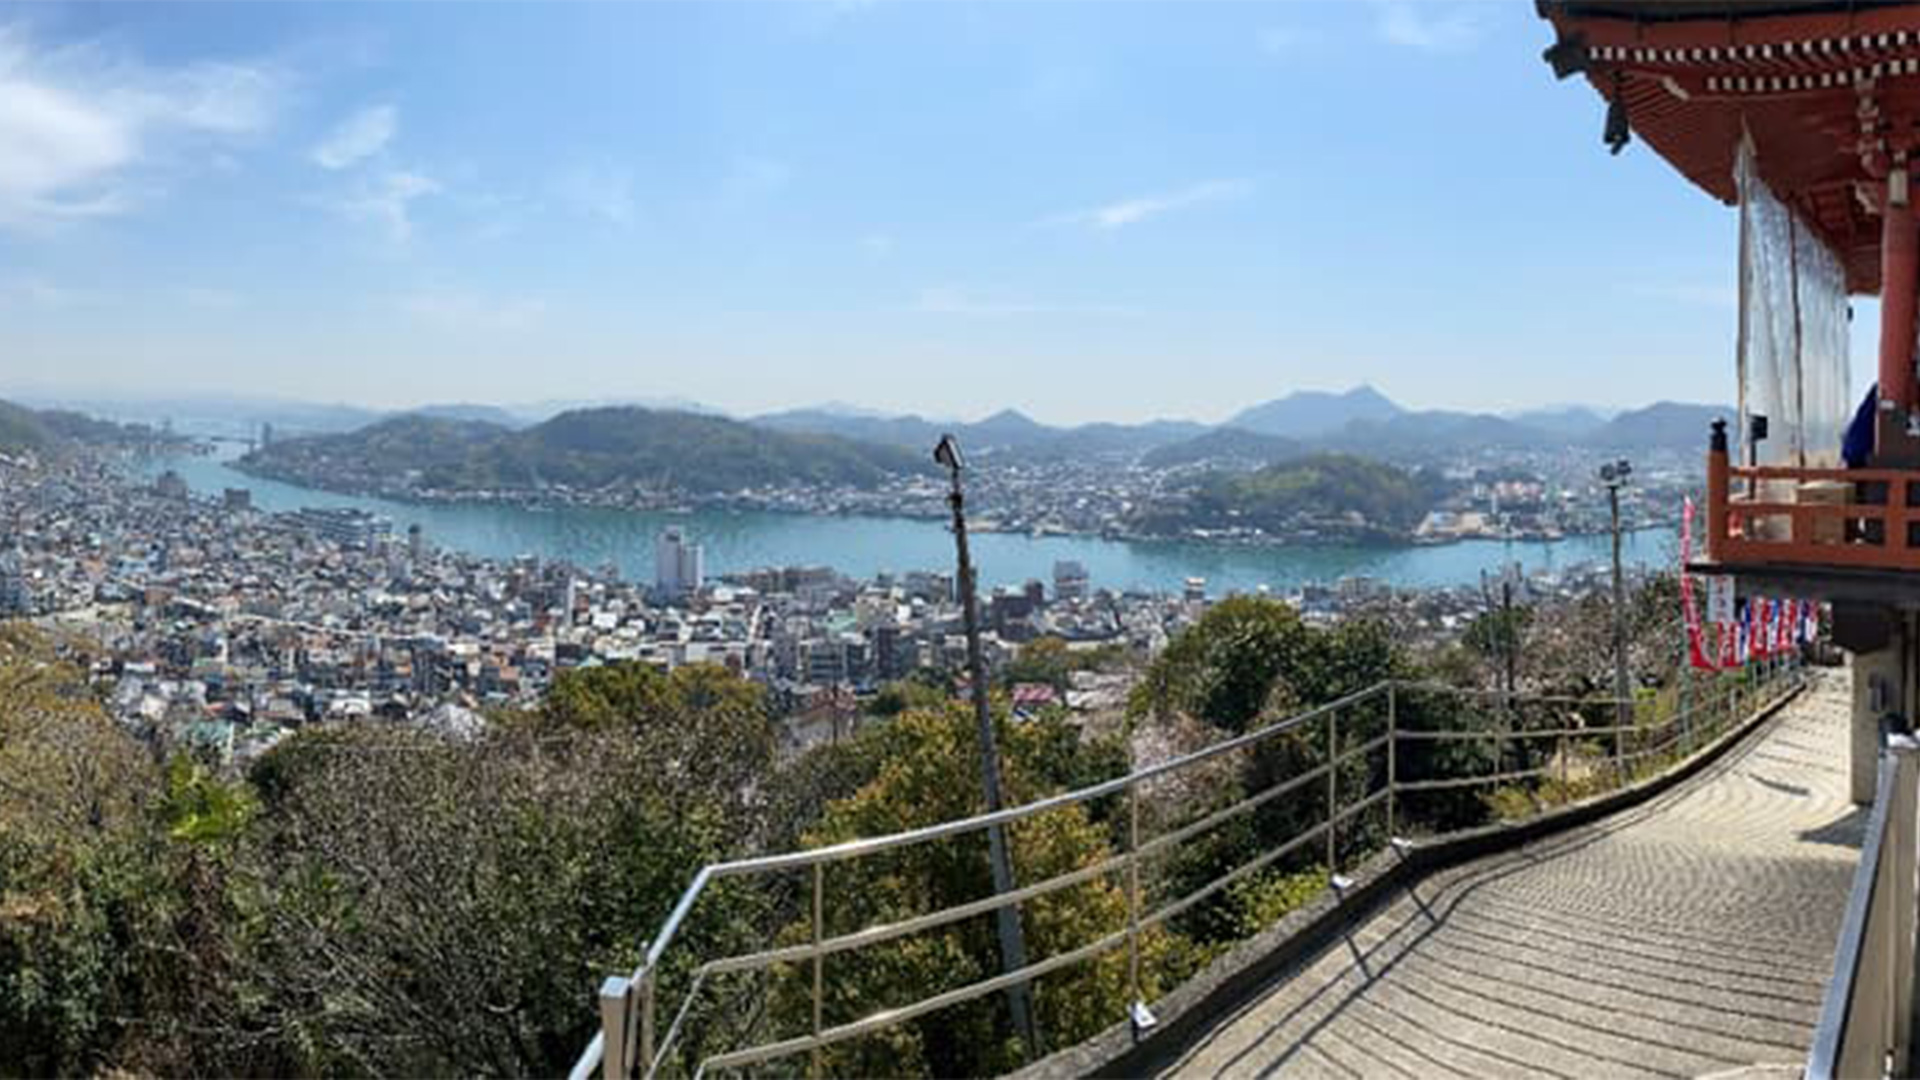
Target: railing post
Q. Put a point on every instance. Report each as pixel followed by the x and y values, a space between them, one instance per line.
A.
pixel 819 962
pixel 616 1028
pixel 1905 807
pixel 647 978
pixel 1133 894
pixel 1333 791
pixel 1393 758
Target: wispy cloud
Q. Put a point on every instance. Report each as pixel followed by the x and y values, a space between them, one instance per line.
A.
pixel 877 245
pixel 358 137
pixel 1430 26
pixel 1115 215
pixel 387 200
pixel 946 300
pixel 464 311
pixel 80 123
pixel 602 193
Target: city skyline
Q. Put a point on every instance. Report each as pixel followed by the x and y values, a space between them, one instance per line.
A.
pixel 1084 213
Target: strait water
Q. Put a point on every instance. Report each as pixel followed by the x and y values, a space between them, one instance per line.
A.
pixel 864 546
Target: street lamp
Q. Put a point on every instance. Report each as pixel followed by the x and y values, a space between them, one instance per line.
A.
pixel 1615 475
pixel 1013 949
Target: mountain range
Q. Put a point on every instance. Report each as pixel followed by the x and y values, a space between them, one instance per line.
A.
pixel 1360 421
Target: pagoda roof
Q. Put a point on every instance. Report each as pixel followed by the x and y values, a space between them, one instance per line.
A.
pixel 1694 75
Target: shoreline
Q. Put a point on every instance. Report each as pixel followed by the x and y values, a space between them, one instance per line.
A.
pixel 533 504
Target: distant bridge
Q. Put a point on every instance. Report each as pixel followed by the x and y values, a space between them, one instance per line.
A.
pixel 1682 922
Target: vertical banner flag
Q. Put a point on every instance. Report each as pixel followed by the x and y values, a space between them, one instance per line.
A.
pixel 1690 610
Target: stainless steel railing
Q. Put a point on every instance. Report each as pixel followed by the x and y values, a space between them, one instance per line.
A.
pixel 1866 1021
pixel 1356 728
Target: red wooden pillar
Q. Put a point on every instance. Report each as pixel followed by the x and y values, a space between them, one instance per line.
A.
pixel 1899 280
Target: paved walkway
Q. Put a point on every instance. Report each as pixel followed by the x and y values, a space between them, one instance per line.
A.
pixel 1691 935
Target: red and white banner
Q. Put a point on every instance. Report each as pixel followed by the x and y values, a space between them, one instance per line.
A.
pixel 1745 629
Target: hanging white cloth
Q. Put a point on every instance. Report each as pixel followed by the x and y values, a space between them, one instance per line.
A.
pixel 1793 356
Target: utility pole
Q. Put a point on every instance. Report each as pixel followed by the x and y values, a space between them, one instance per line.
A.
pixel 1615 475
pixel 1013 947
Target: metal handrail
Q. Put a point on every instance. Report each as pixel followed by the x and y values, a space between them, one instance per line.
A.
pixel 1865 1019
pixel 639 1049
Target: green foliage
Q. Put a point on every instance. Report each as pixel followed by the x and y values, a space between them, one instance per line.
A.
pixel 74 910
pixel 200 808
pixel 1250 660
pixel 370 899
pixel 927 688
pixel 922 752
pixel 1334 493
pixel 1263 899
pixel 21 429
pixel 586 449
pixel 1052 661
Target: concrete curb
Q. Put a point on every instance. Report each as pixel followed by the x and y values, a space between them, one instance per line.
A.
pixel 1194 1008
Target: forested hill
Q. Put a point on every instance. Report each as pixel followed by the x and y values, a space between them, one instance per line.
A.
pixel 586 449
pixel 1330 496
pixel 43 430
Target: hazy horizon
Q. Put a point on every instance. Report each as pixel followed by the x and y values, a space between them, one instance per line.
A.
pixel 148 403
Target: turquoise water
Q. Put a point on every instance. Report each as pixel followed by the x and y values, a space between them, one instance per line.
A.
pixel 864 546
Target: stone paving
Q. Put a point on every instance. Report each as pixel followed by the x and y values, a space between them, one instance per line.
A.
pixel 1691 935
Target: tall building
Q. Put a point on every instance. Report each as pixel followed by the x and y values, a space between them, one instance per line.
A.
pixel 678 568
pixel 14 597
pixel 1069 580
pixel 416 545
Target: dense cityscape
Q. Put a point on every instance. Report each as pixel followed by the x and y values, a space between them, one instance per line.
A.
pixel 227 627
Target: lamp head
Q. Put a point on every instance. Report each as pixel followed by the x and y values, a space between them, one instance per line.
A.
pixel 948 453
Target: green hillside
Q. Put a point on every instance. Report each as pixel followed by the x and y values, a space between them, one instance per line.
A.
pixel 21 429
pixel 1328 494
pixel 588 449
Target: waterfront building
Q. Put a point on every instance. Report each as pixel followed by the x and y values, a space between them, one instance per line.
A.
pixel 677 564
pixel 171 485
pixel 1069 580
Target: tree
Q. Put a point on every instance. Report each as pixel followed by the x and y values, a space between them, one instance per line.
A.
pixel 76 889
pixel 924 756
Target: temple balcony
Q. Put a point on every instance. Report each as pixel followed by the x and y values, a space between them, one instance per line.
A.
pixel 1851 535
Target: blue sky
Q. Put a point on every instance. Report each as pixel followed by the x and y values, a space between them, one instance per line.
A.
pixel 1083 210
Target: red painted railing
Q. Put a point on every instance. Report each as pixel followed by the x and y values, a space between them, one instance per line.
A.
pixel 1875 527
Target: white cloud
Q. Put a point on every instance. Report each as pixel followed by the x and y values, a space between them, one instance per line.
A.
pixel 1126 212
pixel 387 199
pixel 81 127
pixel 945 300
pixel 879 245
pixel 357 137
pixel 466 311
pixel 602 193
pixel 1430 27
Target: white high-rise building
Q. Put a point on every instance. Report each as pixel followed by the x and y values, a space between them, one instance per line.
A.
pixel 677 565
